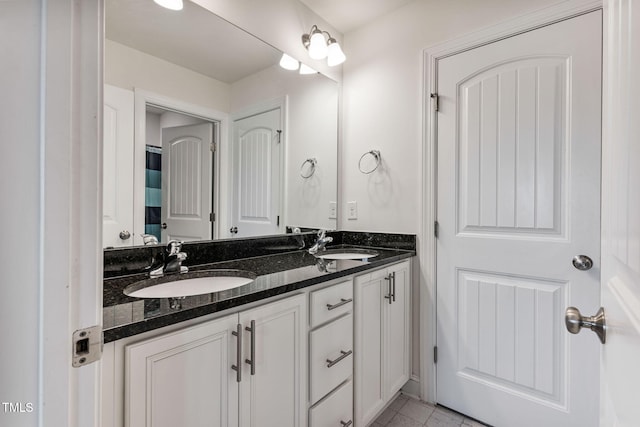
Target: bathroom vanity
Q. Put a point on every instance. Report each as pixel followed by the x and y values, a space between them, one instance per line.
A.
pixel 310 342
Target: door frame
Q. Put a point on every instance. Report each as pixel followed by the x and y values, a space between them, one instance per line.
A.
pixel 142 98
pixel 427 246
pixel 282 103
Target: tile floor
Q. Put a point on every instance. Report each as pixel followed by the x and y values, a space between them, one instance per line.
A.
pixel 405 411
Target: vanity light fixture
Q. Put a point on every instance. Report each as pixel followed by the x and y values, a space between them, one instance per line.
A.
pixel 292 64
pixel 170 4
pixel 289 63
pixel 320 47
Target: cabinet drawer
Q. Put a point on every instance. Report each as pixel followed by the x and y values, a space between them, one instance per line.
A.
pixel 331 356
pixel 330 303
pixel 336 410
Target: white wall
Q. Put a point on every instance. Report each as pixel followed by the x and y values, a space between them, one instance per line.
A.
pixel 19 187
pixel 129 68
pixel 311 132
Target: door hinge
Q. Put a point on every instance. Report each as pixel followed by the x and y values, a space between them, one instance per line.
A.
pixel 436 229
pixel 212 147
pixel 279 136
pixel 212 217
pixel 436 101
pixel 435 354
pixel 87 346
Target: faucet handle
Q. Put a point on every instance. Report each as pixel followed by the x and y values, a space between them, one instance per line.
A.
pixel 174 247
pixel 321 233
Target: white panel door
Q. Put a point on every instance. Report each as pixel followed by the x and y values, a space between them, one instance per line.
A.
pixel 257 174
pixel 117 195
pixel 518 197
pixel 621 219
pixel 187 182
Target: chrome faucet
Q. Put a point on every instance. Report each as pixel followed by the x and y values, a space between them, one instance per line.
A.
pixel 172 260
pixel 321 242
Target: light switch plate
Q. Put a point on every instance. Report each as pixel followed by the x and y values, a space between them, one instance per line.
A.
pixel 333 210
pixel 352 208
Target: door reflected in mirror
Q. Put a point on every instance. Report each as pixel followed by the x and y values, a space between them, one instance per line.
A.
pixel 205 134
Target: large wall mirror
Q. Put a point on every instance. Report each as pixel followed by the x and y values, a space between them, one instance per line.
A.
pixel 206 136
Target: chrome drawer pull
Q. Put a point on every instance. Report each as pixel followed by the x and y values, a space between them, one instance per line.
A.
pixel 347 424
pixel 237 367
pixel 393 287
pixel 252 361
pixel 341 303
pixel 344 354
pixel 391 295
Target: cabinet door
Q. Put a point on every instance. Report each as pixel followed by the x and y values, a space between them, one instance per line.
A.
pixel 370 290
pixel 274 394
pixel 396 342
pixel 183 378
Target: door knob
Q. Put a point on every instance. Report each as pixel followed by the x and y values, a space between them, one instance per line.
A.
pixel 576 321
pixel 124 234
pixel 582 262
pixel 163 226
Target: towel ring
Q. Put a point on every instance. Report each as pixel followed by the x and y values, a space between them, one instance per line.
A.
pixel 312 168
pixel 376 154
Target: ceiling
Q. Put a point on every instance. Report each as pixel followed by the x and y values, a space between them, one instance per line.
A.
pixel 348 15
pixel 194 38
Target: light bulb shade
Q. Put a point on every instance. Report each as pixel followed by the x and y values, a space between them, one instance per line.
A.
pixel 170 4
pixel 335 56
pixel 288 63
pixel 317 45
pixel 305 69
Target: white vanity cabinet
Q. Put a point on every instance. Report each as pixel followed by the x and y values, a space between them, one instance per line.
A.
pixel 202 376
pixel 382 331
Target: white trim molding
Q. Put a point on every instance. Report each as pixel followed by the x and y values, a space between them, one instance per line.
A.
pixel 427 240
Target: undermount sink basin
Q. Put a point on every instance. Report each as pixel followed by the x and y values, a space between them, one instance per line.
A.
pixel 343 253
pixel 189 284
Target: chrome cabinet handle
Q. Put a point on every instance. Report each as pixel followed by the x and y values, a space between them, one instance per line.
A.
pixel 252 361
pixel 391 296
pixel 574 322
pixel 347 424
pixel 237 333
pixel 393 281
pixel 124 235
pixel 341 303
pixel 343 354
pixel 233 230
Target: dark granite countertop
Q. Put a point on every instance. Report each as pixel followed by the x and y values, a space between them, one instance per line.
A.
pixel 277 274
